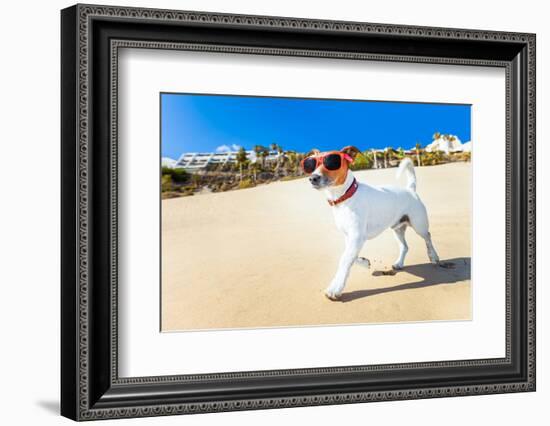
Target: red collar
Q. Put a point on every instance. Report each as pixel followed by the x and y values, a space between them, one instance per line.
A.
pixel 348 194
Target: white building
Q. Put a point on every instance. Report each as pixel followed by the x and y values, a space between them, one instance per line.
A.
pixel 447 144
pixel 199 160
pixel 467 147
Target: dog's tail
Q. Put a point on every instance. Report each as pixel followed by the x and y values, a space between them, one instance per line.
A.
pixel 406 166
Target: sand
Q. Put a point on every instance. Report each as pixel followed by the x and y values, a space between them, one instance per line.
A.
pixel 261 257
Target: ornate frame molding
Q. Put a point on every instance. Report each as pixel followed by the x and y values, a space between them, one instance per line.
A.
pixel 87 409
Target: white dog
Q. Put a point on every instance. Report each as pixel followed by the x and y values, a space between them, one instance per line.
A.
pixel 363 212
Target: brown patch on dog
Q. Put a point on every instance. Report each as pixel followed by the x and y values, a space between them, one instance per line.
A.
pixel 403 221
pixel 351 151
pixel 337 177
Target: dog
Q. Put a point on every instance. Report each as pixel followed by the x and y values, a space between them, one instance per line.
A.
pixel 362 212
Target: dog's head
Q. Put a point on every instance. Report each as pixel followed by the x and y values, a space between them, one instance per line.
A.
pixel 331 167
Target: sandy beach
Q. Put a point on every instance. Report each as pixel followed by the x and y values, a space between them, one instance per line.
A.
pixel 261 257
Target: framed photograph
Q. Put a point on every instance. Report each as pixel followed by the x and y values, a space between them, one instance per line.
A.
pixel 263 212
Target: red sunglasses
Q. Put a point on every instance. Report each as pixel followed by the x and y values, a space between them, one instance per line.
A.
pixel 331 161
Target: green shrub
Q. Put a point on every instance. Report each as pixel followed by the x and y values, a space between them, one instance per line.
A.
pixel 226 186
pixel 180 175
pixel 465 156
pixel 434 158
pixel 362 161
pixel 246 183
pixel 196 180
pixel 177 175
pixel 166 183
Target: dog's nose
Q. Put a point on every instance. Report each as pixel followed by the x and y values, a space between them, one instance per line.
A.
pixel 315 179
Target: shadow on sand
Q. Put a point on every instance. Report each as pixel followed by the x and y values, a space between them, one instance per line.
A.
pixel 451 271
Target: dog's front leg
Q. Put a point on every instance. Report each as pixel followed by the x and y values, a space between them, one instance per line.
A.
pixel 353 247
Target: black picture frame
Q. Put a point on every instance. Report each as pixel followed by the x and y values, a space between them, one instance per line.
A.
pixel 90 386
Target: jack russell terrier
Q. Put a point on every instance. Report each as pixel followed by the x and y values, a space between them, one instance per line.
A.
pixel 362 211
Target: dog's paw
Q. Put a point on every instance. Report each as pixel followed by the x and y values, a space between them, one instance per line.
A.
pixel 397 266
pixel 332 295
pixel 363 261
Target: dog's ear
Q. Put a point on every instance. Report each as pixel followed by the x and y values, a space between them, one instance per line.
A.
pixel 314 151
pixel 351 151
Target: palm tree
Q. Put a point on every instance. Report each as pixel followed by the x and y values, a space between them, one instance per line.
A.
pixel 400 154
pixel 394 155
pixel 369 157
pixel 254 167
pixel 375 159
pixel 418 148
pixel 257 149
pixel 241 161
pixel 261 152
pixel 362 161
pixel 280 157
pixel 291 160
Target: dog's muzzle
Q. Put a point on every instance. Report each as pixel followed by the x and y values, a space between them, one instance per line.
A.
pixel 315 180
pixel 319 181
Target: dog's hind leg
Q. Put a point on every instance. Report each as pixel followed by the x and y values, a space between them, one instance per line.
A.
pixel 421 226
pixel 432 254
pixel 399 232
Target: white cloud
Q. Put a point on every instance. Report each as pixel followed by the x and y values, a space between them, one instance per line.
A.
pixel 223 148
pixel 227 148
pixel 168 162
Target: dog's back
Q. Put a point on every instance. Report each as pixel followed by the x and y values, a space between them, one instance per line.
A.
pixel 386 206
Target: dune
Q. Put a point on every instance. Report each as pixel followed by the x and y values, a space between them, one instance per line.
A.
pixel 261 257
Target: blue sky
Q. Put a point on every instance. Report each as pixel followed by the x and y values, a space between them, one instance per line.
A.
pixel 205 123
